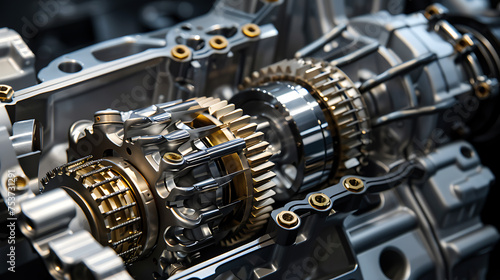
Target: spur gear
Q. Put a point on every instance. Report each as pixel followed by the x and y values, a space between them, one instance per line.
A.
pixel 344 117
pixel 258 162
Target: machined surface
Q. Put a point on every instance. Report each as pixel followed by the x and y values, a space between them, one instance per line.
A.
pixel 343 161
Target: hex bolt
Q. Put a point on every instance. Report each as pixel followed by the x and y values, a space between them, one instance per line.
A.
pixel 319 201
pixel 287 219
pixel 218 42
pixel 173 157
pixel 6 93
pixel 251 30
pixel 180 52
pixel 354 184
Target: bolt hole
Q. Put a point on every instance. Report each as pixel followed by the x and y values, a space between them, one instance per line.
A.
pixel 186 27
pixel 173 157
pixel 180 50
pixel 354 182
pixel 218 41
pixel 466 152
pixel 320 199
pixel 393 264
pixel 288 217
pixel 70 67
pixel 3 88
pixel 129 151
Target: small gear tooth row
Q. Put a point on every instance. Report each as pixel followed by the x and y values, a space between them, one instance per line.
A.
pixel 258 162
pixel 113 198
pixel 334 89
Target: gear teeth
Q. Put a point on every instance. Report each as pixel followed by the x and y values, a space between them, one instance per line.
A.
pixel 257 148
pixel 321 78
pixel 114 198
pixel 247 80
pixel 254 138
pixel 336 91
pixel 231 116
pixel 259 217
pixel 217 106
pixel 265 195
pixel 211 102
pixel 312 72
pixel 259 158
pixel 256 225
pixel 238 123
pixel 264 178
pixel 258 162
pixel 263 203
pixel 264 187
pixel 262 211
pixel 223 110
pixel 245 131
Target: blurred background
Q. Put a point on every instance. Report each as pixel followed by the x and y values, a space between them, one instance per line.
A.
pixel 52 28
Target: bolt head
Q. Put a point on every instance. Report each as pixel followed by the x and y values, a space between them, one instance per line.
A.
pixel 180 52
pixel 288 219
pixel 319 201
pixel 173 157
pixel 6 93
pixel 251 30
pixel 218 42
pixel 354 184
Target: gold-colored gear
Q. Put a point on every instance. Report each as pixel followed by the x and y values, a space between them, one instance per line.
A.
pixel 236 125
pixel 345 107
pixel 110 200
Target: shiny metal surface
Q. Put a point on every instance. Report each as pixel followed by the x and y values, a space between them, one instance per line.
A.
pixel 355 157
pixel 294 124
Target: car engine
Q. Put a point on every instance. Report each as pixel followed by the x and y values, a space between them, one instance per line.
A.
pixel 265 139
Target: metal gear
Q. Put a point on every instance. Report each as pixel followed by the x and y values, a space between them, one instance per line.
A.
pixel 336 93
pixel 201 158
pixel 108 191
pixel 257 156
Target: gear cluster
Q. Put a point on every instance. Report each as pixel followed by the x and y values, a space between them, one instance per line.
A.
pixel 342 103
pixel 198 164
